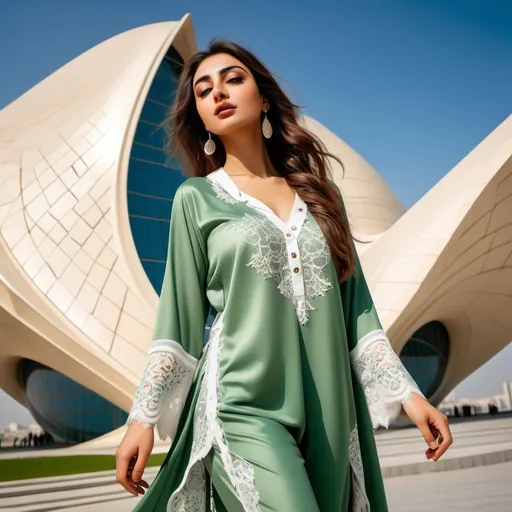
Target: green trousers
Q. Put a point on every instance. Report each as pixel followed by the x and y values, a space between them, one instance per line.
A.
pixel 279 472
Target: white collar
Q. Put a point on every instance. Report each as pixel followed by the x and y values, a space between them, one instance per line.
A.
pixel 297 215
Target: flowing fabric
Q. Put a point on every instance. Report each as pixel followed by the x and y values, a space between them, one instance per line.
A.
pixel 296 371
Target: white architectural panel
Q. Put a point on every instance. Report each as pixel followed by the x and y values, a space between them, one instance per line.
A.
pixel 66 245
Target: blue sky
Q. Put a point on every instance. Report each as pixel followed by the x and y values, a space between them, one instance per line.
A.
pixel 413 85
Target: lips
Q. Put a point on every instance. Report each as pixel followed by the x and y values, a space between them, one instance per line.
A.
pixel 222 107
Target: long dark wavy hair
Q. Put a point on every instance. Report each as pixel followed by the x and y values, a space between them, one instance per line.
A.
pixel 296 154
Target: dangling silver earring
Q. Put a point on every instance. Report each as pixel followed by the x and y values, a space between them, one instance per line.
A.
pixel 209 147
pixel 266 127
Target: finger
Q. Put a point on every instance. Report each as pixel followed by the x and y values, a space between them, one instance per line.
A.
pixel 138 487
pixel 430 452
pixel 446 439
pixel 122 473
pixel 424 428
pixel 141 483
pixel 138 469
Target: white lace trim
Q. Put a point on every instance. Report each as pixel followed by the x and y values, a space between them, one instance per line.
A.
pixel 360 502
pixel 222 193
pixel 164 387
pixel 385 381
pixel 270 259
pixel 207 432
pixel 315 256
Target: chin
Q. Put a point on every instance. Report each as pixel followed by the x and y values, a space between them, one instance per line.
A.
pixel 230 125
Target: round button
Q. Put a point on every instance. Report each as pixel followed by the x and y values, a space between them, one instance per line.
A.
pixel 288 234
pixel 293 228
pixel 294 255
pixel 296 270
pixel 301 209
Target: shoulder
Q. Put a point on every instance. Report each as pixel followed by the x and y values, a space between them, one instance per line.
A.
pixel 193 185
pixel 191 190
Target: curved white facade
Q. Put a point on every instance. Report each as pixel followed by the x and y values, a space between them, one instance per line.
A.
pixel 71 281
pixel 74 295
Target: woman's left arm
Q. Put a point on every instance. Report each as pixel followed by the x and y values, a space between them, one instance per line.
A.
pixel 386 383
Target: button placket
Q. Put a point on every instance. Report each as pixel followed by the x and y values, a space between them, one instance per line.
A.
pixel 290 229
pixel 294 262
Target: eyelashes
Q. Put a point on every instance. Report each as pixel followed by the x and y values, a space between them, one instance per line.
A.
pixel 235 79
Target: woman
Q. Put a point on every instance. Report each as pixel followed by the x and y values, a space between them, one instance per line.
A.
pixel 276 412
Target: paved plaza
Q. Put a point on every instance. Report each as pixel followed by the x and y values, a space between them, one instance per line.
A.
pixel 482 448
pixel 486 488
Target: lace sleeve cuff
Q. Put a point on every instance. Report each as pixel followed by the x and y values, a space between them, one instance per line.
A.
pixel 384 379
pixel 164 387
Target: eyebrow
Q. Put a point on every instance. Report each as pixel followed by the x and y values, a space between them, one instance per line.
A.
pixel 222 72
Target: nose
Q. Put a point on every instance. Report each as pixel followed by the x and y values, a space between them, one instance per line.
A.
pixel 219 94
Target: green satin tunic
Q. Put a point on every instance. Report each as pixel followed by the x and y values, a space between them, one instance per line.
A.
pixel 288 344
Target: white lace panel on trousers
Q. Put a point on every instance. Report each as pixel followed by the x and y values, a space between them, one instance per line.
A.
pixel 270 259
pixel 164 387
pixel 382 376
pixel 191 494
pixel 360 501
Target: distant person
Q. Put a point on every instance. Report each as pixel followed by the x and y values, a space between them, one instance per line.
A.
pixel 259 233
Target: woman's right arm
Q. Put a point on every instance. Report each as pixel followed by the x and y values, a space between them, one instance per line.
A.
pixel 178 339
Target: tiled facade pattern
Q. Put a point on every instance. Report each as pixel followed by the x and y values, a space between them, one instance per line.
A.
pixel 56 210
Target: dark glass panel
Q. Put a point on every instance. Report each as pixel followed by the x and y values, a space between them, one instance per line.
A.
pixel 153 180
pixel 426 355
pixel 67 410
pixel 142 205
pixel 148 153
pixel 151 238
pixel 150 134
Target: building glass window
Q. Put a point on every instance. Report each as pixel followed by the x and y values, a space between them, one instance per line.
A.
pixel 425 356
pixel 153 176
pixel 67 410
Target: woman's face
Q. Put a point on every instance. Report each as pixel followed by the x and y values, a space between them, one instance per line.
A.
pixel 226 94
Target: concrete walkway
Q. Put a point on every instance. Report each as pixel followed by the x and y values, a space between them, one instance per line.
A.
pixel 476 443
pixel 466 490
pixel 483 446
pixel 96 490
pixel 485 489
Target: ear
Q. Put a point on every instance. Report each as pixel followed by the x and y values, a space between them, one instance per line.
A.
pixel 265 105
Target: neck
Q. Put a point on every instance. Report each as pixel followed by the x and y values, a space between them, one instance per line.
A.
pixel 246 153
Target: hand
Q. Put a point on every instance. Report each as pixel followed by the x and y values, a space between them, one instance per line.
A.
pixel 132 455
pixel 433 425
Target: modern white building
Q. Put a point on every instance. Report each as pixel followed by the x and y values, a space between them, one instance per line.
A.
pixel 85 201
pixel 502 401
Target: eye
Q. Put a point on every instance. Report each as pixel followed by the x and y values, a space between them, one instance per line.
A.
pixel 203 92
pixel 236 79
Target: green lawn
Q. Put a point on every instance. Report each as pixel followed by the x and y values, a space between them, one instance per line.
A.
pixel 20 469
